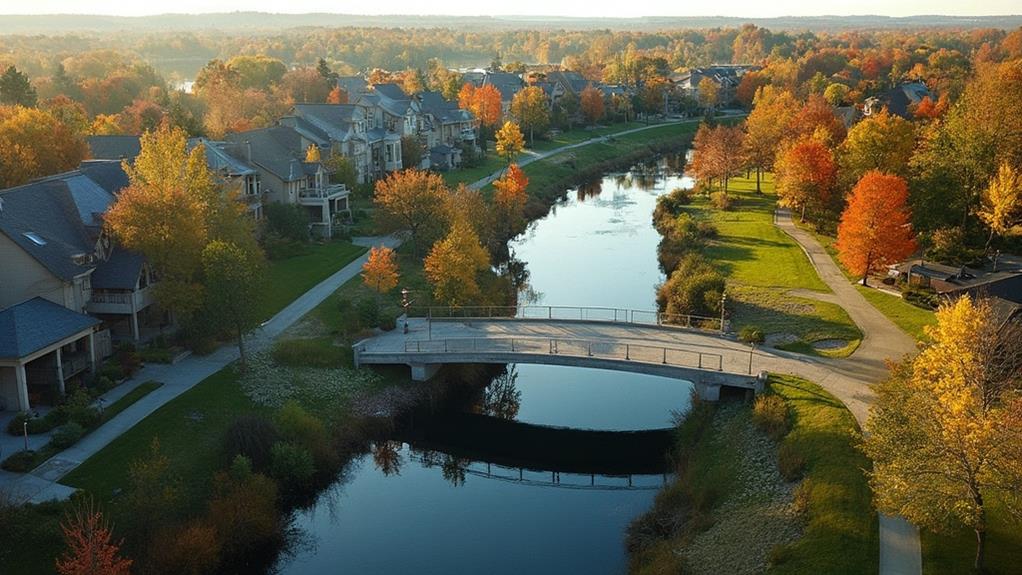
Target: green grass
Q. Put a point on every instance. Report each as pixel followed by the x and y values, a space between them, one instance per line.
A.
pixel 910 318
pixel 954 551
pixel 581 134
pixel 130 398
pixel 762 264
pixel 491 163
pixel 289 278
pixel 842 531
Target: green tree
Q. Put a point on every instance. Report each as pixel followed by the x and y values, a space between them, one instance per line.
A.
pixel 529 109
pixel 879 142
pixel 234 279
pixel 16 89
pixel 411 152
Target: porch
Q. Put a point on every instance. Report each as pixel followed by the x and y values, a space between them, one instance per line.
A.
pixel 325 205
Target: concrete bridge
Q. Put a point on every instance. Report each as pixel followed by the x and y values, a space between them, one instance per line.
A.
pixel 602 338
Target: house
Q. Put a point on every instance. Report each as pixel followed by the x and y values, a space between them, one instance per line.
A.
pixel 278 155
pixel 899 100
pixel 1003 287
pixel 506 83
pixel 114 147
pixel 725 76
pixel 566 82
pixel 448 128
pixel 66 291
pixel 351 87
pixel 342 128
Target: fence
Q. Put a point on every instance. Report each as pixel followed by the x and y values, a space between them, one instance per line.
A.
pixel 569 313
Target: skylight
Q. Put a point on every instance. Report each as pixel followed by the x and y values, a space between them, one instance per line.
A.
pixel 35 238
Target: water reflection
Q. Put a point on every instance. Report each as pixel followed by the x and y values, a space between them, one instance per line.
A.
pixel 502 398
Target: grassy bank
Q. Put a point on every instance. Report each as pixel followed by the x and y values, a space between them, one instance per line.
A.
pixel 762 265
pixel 954 550
pixel 289 278
pixel 833 528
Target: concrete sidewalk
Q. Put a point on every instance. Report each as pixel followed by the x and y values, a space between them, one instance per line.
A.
pixel 42 483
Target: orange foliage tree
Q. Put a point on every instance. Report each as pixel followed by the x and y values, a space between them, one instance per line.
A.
pixel 467 97
pixel 817 119
pixel 487 105
pixel 89 548
pixel 380 270
pixel 591 101
pixel 412 200
pixel 875 228
pixel 805 175
pixel 34 143
pixel 509 200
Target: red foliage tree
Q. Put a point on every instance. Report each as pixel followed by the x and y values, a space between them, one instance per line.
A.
pixel 875 228
pixel 89 549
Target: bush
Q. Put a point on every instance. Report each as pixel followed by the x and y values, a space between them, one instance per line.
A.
pixel 102 384
pixel 921 298
pixel 253 437
pixel 388 323
pixel 750 334
pixel 300 427
pixel 693 288
pixel 20 462
pixel 80 410
pixel 720 200
pixel 802 497
pixel 67 435
pixel 112 371
pixel 244 514
pixel 190 548
pixel 291 465
pixel 790 462
pixel 16 426
pixel 287 221
pixel 770 413
pixel 369 312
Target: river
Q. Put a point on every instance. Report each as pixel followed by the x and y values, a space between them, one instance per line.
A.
pixel 439 507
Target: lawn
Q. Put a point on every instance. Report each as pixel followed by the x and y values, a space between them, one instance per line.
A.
pixel 289 278
pixel 842 531
pixel 910 318
pixel 491 163
pixel 954 551
pixel 581 134
pixel 762 264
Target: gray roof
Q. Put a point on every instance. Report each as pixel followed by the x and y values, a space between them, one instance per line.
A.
pixel 507 84
pixel 64 213
pixel 114 147
pixel 121 271
pixel 37 323
pixel 277 149
pixel 219 160
pixel 569 80
pixel 434 104
pixel 352 85
pixel 333 120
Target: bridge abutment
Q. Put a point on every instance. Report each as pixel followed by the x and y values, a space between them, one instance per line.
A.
pixel 424 371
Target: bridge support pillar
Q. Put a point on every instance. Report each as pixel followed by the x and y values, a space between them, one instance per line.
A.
pixel 424 371
pixel 708 391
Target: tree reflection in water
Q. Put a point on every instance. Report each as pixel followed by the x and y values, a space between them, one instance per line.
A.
pixel 589 189
pixel 387 457
pixel 502 398
pixel 452 468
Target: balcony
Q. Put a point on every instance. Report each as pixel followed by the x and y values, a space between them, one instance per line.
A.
pixel 120 302
pixel 74 364
pixel 316 196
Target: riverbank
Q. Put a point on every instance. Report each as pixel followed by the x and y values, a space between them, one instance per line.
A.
pixel 795 504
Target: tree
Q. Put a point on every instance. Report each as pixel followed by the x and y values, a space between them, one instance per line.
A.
pixel 717 153
pixel 529 109
pixel 591 101
pixel 380 270
pixel 1001 203
pixel 766 126
pixel 875 228
pixel 484 103
pixel 879 142
pixel 510 141
pixel 411 152
pixel 805 175
pixel 411 200
pixel 467 97
pixel 509 201
pixel 454 263
pixel 34 143
pixel 337 96
pixel 151 498
pixel 709 93
pixel 817 119
pixel 234 279
pixel 835 94
pixel 90 550
pixel 944 432
pixel 343 170
pixel 312 154
pixel 16 89
pixel 324 70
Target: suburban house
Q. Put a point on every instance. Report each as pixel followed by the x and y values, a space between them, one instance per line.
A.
pixel 1003 287
pixel 339 128
pixel 898 101
pixel 725 76
pixel 278 155
pixel 390 115
pixel 65 290
pixel 447 128
pixel 506 83
pixel 566 82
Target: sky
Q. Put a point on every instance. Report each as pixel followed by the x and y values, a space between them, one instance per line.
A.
pixel 738 8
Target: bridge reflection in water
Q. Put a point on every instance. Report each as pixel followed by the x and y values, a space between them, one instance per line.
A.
pixel 467 444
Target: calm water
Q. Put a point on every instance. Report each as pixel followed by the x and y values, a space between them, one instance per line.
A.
pixel 409 510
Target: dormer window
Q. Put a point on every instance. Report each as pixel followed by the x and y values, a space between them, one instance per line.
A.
pixel 34 238
pixel 82 259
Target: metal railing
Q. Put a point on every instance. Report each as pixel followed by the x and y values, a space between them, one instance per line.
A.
pixel 322 193
pixel 569 313
pixel 600 349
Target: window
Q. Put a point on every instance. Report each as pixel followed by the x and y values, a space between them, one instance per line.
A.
pixel 34 237
pixel 390 153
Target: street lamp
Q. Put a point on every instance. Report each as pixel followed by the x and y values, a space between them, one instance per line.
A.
pixel 404 304
pixel 723 299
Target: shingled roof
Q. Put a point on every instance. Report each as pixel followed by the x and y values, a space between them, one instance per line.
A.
pixel 277 149
pixel 30 326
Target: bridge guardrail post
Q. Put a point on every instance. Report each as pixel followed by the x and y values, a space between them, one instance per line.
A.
pixel 590 349
pixel 628 352
pixel 665 356
pixel 700 361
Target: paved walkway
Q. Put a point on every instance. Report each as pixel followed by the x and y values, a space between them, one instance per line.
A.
pixel 900 551
pixel 41 484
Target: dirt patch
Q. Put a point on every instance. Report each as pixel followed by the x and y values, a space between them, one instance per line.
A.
pixel 830 344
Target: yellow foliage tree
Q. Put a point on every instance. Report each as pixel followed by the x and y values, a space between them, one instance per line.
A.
pixel 945 434
pixel 509 200
pixel 510 141
pixel 312 154
pixel 380 270
pixel 454 263
pixel 1001 202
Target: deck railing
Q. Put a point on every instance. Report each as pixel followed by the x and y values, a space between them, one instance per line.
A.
pixel 569 313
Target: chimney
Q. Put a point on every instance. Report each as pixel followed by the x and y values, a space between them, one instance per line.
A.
pixel 248 150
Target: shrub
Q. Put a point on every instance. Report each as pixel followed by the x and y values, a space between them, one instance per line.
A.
pixel 56 417
pixel 16 426
pixel 369 312
pixel 921 298
pixel 67 435
pixel 802 496
pixel 253 437
pixel 287 221
pixel 300 427
pixel 20 462
pixel 112 371
pixel 80 410
pixel 770 413
pixel 720 200
pixel 244 514
pixel 291 465
pixel 190 548
pixel 949 246
pixel 694 287
pixel 102 384
pixel 790 462
pixel 750 334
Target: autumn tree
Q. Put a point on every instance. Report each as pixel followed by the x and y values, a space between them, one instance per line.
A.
pixel 380 270
pixel 591 101
pixel 709 93
pixel 717 153
pixel 805 174
pixel 509 201
pixel 412 152
pixel 33 143
pixel 766 127
pixel 16 89
pixel 484 103
pixel 454 264
pixel 233 278
pixel 945 432
pixel 879 142
pixel 411 200
pixel 90 549
pixel 529 109
pixel 467 97
pixel 337 96
pixel 875 228
pixel 312 154
pixel 1001 203
pixel 817 119
pixel 510 141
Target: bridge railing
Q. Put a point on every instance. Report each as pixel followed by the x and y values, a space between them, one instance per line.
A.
pixel 601 349
pixel 568 313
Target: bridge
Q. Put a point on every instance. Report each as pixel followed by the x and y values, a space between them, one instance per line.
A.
pixel 689 348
